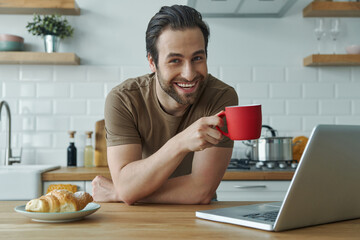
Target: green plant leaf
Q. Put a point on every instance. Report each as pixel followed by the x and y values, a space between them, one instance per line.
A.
pixel 50 25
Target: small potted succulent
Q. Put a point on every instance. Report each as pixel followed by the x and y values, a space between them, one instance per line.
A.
pixel 52 28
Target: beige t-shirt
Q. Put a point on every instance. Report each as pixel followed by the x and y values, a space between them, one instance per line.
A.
pixel 133 115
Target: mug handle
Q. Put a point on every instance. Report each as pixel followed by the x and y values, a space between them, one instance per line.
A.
pixel 222 114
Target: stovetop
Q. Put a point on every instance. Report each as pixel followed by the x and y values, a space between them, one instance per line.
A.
pixel 256 165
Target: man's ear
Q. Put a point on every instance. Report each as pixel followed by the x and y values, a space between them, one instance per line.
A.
pixel 151 63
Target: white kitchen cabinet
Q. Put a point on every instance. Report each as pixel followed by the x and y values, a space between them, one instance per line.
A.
pixel 252 190
pixel 82 185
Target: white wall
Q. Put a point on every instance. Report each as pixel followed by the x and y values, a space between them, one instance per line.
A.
pixel 260 57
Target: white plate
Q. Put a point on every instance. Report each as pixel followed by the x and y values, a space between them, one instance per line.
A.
pixel 59 217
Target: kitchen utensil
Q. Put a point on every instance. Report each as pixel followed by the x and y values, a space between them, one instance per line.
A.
pixel 100 159
pixel 243 122
pixel 270 148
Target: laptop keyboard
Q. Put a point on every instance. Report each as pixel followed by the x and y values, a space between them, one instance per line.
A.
pixel 267 216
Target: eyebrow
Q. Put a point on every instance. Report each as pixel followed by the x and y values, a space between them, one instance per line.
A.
pixel 170 55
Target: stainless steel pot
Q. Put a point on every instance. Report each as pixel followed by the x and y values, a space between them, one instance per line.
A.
pixel 270 148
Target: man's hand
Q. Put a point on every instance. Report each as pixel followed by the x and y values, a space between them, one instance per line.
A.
pixel 103 190
pixel 201 134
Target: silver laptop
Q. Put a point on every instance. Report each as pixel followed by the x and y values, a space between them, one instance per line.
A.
pixel 324 189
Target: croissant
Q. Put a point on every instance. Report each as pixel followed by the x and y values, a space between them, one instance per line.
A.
pixel 59 201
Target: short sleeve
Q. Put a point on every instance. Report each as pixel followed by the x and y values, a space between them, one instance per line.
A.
pixel 120 124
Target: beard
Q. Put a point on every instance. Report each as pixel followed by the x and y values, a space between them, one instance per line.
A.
pixel 184 99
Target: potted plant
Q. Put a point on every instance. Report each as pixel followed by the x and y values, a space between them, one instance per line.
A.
pixel 52 28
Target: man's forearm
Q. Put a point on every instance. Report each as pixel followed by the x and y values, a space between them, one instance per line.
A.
pixel 182 190
pixel 199 187
pixel 143 177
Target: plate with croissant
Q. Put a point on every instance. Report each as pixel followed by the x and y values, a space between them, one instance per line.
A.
pixel 59 206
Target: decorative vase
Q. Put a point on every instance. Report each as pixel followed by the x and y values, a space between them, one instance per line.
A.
pixel 51 43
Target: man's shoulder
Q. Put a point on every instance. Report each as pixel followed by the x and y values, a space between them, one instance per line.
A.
pixel 215 83
pixel 218 92
pixel 216 87
pixel 134 84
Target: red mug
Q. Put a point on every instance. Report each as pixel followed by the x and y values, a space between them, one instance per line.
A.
pixel 243 122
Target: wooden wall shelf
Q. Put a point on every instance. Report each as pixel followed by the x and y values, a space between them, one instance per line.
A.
pixel 62 7
pixel 332 60
pixel 332 9
pixel 39 58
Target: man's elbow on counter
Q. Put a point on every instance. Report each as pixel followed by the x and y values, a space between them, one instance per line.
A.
pixel 128 200
pixel 125 197
pixel 205 201
pixel 205 197
pixel 129 203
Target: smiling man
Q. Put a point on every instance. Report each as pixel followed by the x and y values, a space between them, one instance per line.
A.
pixel 162 143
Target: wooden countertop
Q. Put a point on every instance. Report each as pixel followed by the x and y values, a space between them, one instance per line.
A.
pixel 75 174
pixel 155 221
pixel 88 174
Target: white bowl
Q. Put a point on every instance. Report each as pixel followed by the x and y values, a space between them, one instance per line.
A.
pixel 353 49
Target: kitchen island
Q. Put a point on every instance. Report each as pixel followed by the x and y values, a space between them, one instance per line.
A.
pixel 155 221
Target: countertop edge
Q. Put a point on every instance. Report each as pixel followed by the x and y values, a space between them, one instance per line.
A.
pixel 88 174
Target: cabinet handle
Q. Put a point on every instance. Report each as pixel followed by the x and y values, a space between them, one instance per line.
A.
pixel 250 186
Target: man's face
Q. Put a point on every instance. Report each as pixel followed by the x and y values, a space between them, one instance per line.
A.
pixel 181 69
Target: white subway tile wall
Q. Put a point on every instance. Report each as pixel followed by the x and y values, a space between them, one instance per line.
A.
pixel 346 91
pixel 18 90
pixel 261 74
pixel 73 74
pixel 356 107
pixel 70 107
pixel 355 74
pixel 286 90
pixel 319 90
pixel 48 101
pixel 301 74
pixel 9 73
pixel 36 73
pixel 338 74
pixel 302 107
pixel 38 107
pixel 53 90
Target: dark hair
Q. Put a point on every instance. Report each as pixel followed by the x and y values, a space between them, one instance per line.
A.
pixel 178 17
